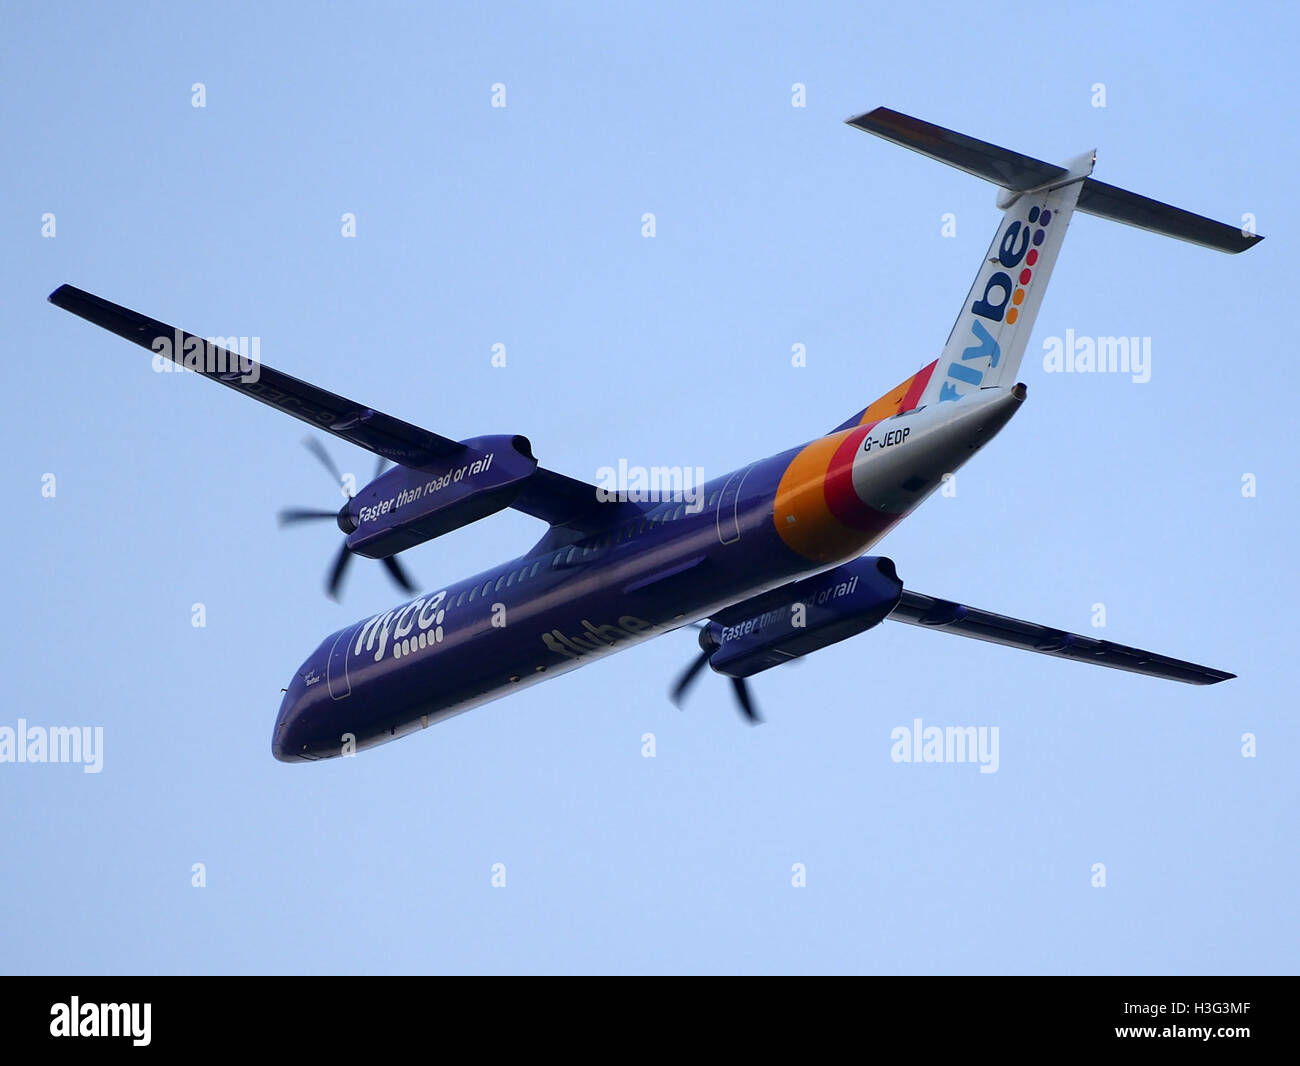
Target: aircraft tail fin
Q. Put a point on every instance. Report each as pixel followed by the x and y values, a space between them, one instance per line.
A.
pixel 989 338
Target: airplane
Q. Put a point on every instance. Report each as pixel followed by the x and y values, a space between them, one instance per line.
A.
pixel 767 561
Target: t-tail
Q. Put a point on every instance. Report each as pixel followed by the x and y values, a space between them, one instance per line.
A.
pixel 988 339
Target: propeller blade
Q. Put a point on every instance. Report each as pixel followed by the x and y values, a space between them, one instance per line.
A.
pixel 336 572
pixel 399 575
pixel 317 449
pixel 743 698
pixel 290 515
pixel 689 675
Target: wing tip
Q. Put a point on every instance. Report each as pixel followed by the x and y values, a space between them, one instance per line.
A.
pixel 853 120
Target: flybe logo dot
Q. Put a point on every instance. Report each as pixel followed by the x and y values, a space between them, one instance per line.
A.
pixel 1043 219
pixel 1020 243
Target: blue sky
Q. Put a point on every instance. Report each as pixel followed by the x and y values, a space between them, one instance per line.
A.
pixel 521 226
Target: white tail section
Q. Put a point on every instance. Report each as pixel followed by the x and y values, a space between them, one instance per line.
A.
pixel 988 339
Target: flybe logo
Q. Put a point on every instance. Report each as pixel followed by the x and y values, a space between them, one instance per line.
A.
pixel 595 637
pixel 412 628
pixel 1004 292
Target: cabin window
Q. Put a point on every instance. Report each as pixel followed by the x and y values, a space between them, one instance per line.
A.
pixel 473 594
pixel 681 509
pixel 501 582
pixel 510 579
pixel 713 499
pixel 461 598
pixel 536 567
pixel 572 555
pixel 487 587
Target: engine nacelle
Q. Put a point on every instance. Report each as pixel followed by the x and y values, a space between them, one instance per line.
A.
pixel 819 611
pixel 405 506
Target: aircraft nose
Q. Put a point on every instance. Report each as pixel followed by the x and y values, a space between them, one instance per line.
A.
pixel 296 736
pixel 287 738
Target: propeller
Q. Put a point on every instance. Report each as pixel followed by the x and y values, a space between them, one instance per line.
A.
pixel 294 515
pixel 687 678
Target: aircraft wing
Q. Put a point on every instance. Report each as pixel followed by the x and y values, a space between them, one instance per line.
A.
pixel 920 610
pixel 573 509
pixel 564 501
pixel 365 427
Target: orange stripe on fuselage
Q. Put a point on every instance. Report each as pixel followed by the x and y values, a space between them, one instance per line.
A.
pixel 901 399
pixel 818 485
pixel 802 516
pixel 815 498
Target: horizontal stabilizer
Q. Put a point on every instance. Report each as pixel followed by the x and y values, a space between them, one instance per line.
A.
pixel 1020 173
pixel 373 430
pixel 1003 167
pixel 1120 205
pixel 920 610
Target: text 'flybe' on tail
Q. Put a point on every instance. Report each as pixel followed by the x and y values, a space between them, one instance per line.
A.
pixel 989 337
